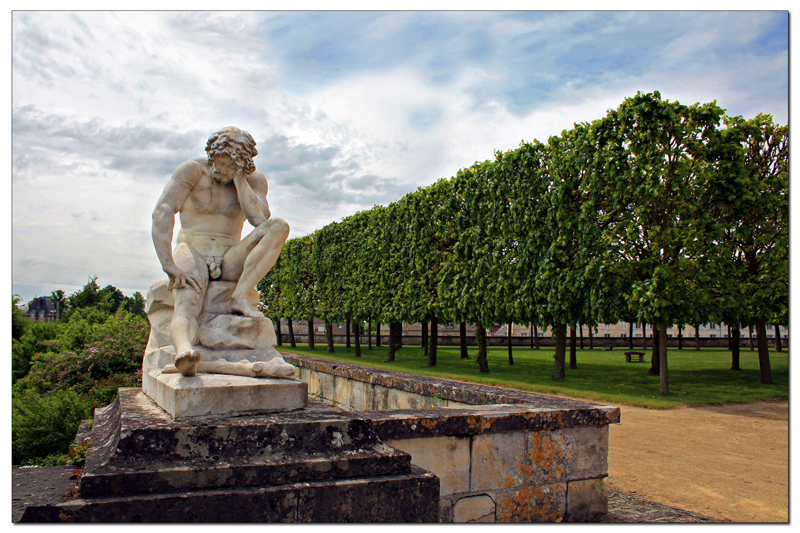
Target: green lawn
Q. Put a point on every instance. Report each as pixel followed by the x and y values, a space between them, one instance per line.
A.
pixel 695 377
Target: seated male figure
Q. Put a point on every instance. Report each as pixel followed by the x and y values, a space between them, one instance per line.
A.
pixel 213 197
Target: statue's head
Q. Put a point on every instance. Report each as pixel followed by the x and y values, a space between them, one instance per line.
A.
pixel 236 143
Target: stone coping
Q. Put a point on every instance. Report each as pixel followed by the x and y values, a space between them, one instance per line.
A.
pixel 492 408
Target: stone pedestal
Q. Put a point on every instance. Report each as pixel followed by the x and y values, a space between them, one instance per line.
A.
pixel 219 394
pixel 221 337
pixel 319 464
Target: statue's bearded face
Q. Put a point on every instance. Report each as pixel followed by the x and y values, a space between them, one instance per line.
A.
pixel 224 168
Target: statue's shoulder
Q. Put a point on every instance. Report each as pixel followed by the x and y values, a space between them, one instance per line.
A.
pixel 191 171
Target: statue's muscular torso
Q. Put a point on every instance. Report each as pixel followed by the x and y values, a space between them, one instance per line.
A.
pixel 211 217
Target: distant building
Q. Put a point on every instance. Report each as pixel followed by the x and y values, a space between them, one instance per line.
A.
pixel 42 310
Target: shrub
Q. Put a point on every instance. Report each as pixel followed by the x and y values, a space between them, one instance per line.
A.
pixel 44 425
pixel 97 365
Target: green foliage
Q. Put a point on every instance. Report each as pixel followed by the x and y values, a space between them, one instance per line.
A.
pixel 97 368
pixel 654 213
pixel 33 341
pixel 62 370
pixel 19 322
pixel 76 455
pixel 44 425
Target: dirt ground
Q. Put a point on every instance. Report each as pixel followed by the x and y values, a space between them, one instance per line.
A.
pixel 729 463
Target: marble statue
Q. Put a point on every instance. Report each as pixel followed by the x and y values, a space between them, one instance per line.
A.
pixel 205 316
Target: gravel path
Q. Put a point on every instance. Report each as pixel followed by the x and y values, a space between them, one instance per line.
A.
pixel 728 463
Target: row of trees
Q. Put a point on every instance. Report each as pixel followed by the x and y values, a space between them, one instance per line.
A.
pixel 657 213
pixel 62 370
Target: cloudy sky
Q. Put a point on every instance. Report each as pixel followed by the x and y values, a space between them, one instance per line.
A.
pixel 349 109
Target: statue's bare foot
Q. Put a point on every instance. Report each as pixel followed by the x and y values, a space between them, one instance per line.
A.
pixel 187 362
pixel 274 368
pixel 242 307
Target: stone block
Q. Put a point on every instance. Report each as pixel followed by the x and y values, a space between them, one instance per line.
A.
pixel 390 499
pixel 220 394
pixel 351 394
pixel 587 500
pixel 547 456
pixel 380 398
pixel 320 385
pixel 447 457
pixel 399 498
pixel 478 508
pixel 498 461
pixel 587 452
pixel 445 510
pixel 532 503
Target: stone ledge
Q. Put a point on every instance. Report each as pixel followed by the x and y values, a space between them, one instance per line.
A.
pixel 409 497
pixel 580 413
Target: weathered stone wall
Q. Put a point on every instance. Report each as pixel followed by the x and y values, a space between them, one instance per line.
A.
pixel 500 455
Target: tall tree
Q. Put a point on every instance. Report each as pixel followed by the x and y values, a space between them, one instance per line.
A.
pixel 753 212
pixel 649 187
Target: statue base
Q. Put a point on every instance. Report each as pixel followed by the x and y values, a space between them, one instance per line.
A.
pixel 205 395
pixel 320 464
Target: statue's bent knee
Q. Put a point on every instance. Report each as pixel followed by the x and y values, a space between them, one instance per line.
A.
pixel 277 226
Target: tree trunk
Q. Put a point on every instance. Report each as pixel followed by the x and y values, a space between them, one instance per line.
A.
pixel 663 357
pixel 655 356
pixel 378 334
pixel 434 340
pixel 329 334
pixel 292 341
pixel 580 335
pixel 462 333
pixel 730 345
pixel 369 333
pixel 680 336
pixel 591 338
pixel 536 336
pixel 573 358
pixel 561 351
pixel 763 352
pixel 392 344
pixel 357 333
pixel 735 348
pixel 697 336
pixel 425 338
pixel 311 333
pixel 630 335
pixel 644 335
pixel 480 337
pixel 750 328
pixel 508 342
pixel 347 333
pixel 399 326
pixel 530 327
pixel 777 338
pixel 278 332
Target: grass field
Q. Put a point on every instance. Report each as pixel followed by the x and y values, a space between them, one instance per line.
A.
pixel 695 377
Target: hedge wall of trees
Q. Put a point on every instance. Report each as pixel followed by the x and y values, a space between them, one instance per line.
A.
pixel 657 213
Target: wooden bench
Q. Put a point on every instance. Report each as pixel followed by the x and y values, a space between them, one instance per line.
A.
pixel 629 354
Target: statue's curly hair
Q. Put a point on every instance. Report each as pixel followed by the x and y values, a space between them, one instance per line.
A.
pixel 237 143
